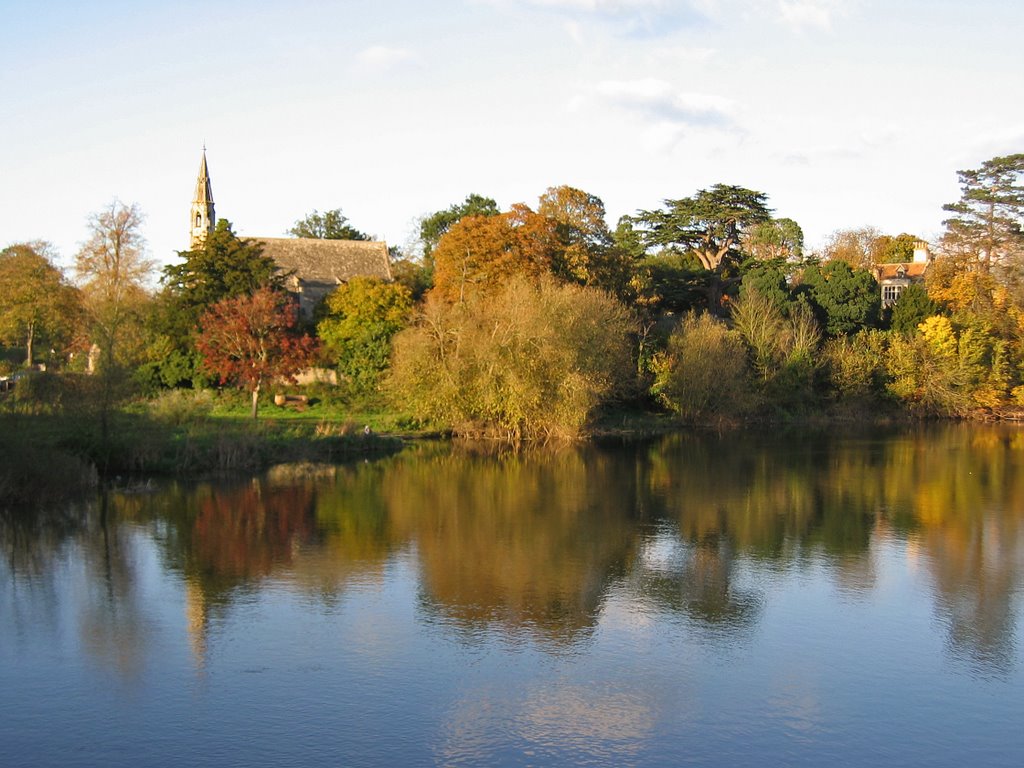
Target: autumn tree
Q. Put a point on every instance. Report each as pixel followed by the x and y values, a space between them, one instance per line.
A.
pixel 533 359
pixel 223 266
pixel 112 271
pixel 361 318
pixel 251 340
pixel 38 304
pixel 702 374
pixel 855 247
pixel 898 249
pixel 710 225
pixel 588 253
pixel 987 219
pixel 437 224
pixel 329 225
pixel 479 253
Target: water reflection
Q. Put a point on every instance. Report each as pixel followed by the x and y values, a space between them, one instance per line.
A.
pixel 529 546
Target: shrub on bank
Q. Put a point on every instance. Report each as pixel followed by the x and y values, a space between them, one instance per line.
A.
pixel 703 373
pixel 534 360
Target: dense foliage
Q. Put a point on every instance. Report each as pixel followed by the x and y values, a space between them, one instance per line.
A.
pixel 528 322
pixel 251 340
pixel 532 360
pixel 361 318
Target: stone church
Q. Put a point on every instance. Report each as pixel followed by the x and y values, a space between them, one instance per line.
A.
pixel 315 267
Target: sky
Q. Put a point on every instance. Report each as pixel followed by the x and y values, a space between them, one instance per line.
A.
pixel 846 113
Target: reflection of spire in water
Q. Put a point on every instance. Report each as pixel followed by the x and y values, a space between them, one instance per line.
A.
pixel 197 621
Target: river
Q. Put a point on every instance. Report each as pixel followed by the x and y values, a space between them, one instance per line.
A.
pixel 799 599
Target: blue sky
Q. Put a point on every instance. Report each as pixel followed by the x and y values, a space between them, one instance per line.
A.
pixel 846 113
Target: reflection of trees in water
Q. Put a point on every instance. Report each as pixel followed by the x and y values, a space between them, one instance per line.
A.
pixel 530 543
pixel 113 623
pixel 96 538
pixel 33 546
pixel 971 509
pixel 526 543
pixel 696 581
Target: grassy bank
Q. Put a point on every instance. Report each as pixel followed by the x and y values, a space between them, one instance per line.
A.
pixel 44 456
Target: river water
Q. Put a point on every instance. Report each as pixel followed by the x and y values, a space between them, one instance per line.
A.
pixel 743 600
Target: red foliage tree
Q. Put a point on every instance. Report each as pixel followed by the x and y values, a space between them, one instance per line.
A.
pixel 252 340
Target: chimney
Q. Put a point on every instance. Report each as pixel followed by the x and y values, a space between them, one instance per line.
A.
pixel 921 253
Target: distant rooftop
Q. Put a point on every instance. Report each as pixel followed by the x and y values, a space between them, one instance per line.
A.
pixel 327 261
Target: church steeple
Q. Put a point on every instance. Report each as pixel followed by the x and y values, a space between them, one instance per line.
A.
pixel 203 217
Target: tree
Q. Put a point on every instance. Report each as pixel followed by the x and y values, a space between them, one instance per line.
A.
pixel 224 266
pixel 436 225
pixel 894 250
pixel 855 247
pixel 846 299
pixel 589 255
pixel 703 371
pixel 112 271
pixel 987 218
pixel 38 305
pixel 480 253
pixel 911 309
pixel 775 239
pixel 533 359
pixel 362 317
pixel 709 224
pixel 251 340
pixel 329 225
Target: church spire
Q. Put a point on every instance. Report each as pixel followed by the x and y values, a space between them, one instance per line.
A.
pixel 203 217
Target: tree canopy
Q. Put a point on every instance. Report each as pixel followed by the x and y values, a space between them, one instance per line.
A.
pixel 362 317
pixel 38 304
pixel 588 253
pixel 710 225
pixel 434 226
pixel 775 239
pixel 847 300
pixel 224 266
pixel 987 218
pixel 113 271
pixel 329 225
pixel 250 340
pixel 479 253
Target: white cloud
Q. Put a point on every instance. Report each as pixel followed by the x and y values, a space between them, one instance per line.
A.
pixel 798 14
pixel 658 101
pixel 384 58
pixel 598 6
pixel 625 18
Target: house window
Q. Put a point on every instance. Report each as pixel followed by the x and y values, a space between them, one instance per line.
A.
pixel 890 293
pixel 199 220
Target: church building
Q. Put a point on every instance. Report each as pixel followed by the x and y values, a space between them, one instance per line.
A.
pixel 315 267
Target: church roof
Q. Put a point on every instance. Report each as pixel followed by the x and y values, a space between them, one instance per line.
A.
pixel 328 261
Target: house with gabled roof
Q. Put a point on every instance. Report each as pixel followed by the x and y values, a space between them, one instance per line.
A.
pixel 313 267
pixel 893 279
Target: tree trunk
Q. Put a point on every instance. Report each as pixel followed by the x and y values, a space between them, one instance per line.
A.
pixel 255 400
pixel 28 344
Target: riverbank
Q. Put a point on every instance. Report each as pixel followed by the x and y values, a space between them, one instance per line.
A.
pixel 48 455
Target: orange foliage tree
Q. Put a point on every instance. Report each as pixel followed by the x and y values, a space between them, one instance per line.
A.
pixel 480 252
pixel 587 253
pixel 252 340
